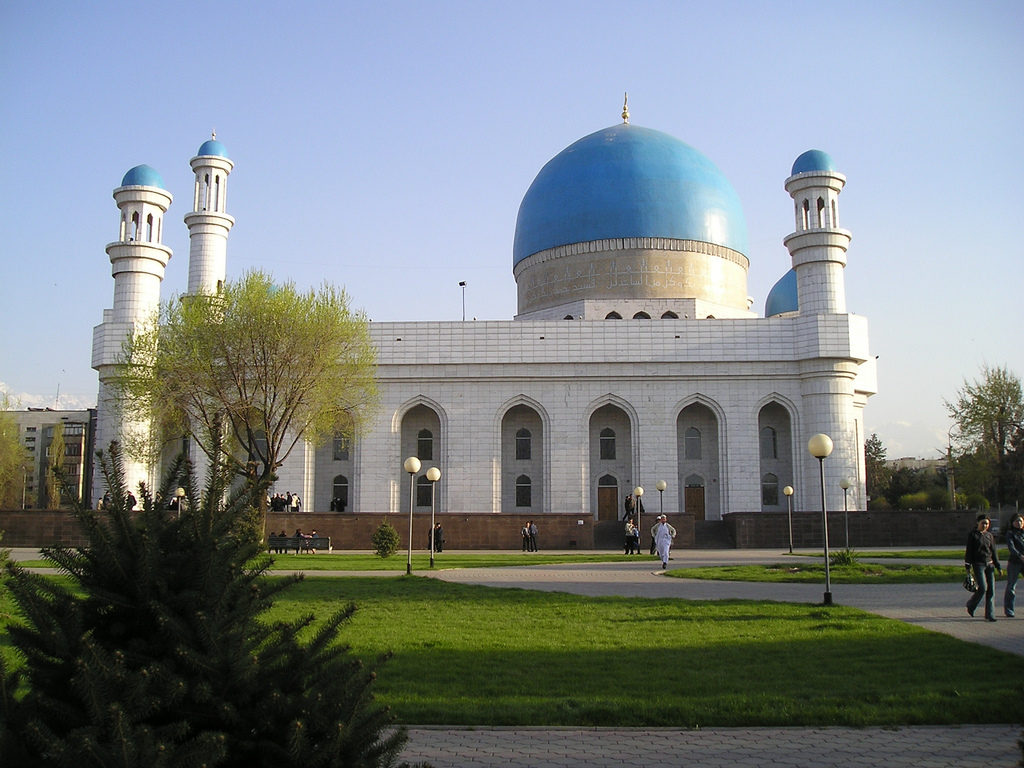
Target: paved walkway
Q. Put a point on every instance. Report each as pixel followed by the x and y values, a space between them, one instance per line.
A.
pixel 935 607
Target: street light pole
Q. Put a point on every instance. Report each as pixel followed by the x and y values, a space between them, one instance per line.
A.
pixel 433 475
pixel 788 491
pixel 845 484
pixel 412 466
pixel 820 447
pixel 661 485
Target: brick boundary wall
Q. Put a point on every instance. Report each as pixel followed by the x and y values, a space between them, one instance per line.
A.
pixel 747 530
pixel 889 528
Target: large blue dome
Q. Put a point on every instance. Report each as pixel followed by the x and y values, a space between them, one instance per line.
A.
pixel 628 181
pixel 142 176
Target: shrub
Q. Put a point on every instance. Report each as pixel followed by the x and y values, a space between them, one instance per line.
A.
pixel 916 500
pixel 843 557
pixel 977 501
pixel 385 540
pixel 156 654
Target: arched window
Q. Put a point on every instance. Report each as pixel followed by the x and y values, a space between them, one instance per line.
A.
pixel 423 487
pixel 523 440
pixel 339 494
pixel 613 316
pixel 425 445
pixel 769 443
pixel 769 491
pixel 341 448
pixel 124 228
pixel 670 315
pixel 135 226
pixel 568 317
pixel 821 213
pixel 149 228
pixel 641 316
pixel 806 211
pixel 523 492
pixel 206 191
pixel 608 443
pixel 692 443
pixel 216 193
pixel 835 215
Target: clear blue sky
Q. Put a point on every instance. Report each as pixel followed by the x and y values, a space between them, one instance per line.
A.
pixel 385 147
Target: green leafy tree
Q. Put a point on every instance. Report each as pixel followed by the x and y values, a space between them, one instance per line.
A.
pixel 55 465
pixel 989 416
pixel 156 654
pixel 13 460
pixel 251 372
pixel 877 474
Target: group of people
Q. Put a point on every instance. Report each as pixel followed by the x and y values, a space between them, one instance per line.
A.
pixel 662 533
pixel 289 502
pixel 981 558
pixel 302 539
pixel 529 534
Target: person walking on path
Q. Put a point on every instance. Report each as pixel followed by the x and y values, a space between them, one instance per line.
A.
pixel 1014 563
pixel 981 557
pixel 663 536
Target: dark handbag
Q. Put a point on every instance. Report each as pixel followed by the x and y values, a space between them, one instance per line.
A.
pixel 969 582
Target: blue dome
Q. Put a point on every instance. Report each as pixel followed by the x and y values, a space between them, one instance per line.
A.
pixel 782 297
pixel 628 181
pixel 212 147
pixel 813 160
pixel 142 176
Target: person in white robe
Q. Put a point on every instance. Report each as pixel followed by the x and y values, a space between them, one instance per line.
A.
pixel 663 536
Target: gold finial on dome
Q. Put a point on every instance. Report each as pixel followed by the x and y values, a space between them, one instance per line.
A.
pixel 213 134
pixel 625 108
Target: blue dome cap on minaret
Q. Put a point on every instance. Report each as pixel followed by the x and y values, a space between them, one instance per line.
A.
pixel 628 181
pixel 813 160
pixel 142 176
pixel 783 296
pixel 212 147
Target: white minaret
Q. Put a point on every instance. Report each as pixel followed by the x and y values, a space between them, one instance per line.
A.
pixel 818 246
pixel 138 259
pixel 208 223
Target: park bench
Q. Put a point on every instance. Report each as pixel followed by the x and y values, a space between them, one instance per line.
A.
pixel 298 543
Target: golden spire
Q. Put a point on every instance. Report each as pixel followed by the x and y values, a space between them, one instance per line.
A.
pixel 213 134
pixel 625 108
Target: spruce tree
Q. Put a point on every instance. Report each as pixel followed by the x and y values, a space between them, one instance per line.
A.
pixel 156 654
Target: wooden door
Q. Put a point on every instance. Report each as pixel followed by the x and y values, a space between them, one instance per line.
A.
pixel 693 501
pixel 607 502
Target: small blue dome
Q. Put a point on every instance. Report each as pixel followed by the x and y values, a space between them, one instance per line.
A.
pixel 782 297
pixel 813 160
pixel 212 147
pixel 628 181
pixel 142 176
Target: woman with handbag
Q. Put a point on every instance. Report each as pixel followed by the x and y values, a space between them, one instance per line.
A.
pixel 981 559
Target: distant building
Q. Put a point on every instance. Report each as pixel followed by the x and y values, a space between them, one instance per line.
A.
pixel 932 465
pixel 37 428
pixel 635 357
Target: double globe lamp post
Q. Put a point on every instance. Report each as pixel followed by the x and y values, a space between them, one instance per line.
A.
pixel 820 447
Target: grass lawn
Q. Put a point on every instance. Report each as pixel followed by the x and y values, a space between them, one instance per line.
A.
pixel 860 573
pixel 475 655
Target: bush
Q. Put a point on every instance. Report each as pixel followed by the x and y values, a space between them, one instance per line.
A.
pixel 916 500
pixel 977 501
pixel 843 557
pixel 385 540
pixel 157 654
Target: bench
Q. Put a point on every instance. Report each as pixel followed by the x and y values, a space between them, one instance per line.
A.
pixel 298 543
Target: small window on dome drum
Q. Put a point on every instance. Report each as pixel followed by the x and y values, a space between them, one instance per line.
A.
pixel 613 316
pixel 670 315
pixel 641 316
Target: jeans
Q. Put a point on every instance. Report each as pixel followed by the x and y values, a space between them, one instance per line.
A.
pixel 984 575
pixel 1013 568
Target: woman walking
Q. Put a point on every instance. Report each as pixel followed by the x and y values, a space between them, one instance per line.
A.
pixel 981 558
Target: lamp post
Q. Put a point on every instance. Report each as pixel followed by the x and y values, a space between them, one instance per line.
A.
pixel 661 485
pixel 180 496
pixel 433 475
pixel 788 491
pixel 462 285
pixel 845 484
pixel 638 492
pixel 412 466
pixel 820 447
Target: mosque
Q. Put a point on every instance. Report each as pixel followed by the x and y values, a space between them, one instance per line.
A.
pixel 636 357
